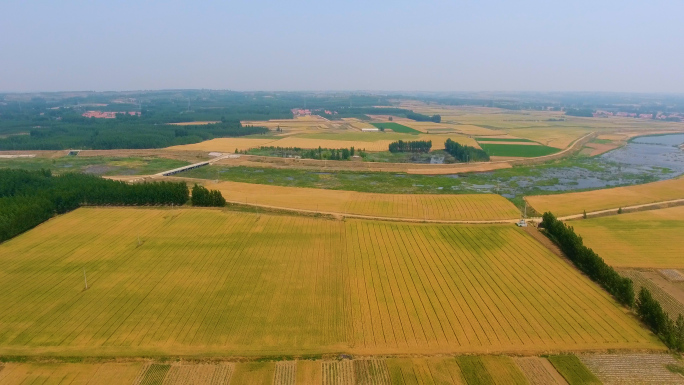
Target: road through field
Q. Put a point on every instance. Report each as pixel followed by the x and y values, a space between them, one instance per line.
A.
pixel 209 282
pixel 563 205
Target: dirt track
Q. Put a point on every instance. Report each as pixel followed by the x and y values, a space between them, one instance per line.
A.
pixel 626 209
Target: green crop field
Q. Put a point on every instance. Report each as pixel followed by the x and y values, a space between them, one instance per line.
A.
pixel 396 127
pixel 215 282
pixel 521 150
pixel 96 164
pixel 573 370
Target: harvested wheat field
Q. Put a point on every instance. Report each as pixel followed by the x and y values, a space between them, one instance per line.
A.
pixel 427 370
pixel 670 296
pixel 650 239
pixel 539 371
pixel 360 141
pixel 633 368
pixel 612 198
pixel 215 282
pixel 466 207
pixel 558 137
pixel 228 145
pixel 376 145
pixel 297 124
pixel 293 141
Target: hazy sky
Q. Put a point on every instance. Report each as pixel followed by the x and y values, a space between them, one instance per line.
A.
pixel 344 45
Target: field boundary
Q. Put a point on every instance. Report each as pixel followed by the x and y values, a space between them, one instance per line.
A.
pixel 626 209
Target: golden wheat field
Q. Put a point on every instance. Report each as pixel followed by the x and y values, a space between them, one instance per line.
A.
pixel 611 198
pixel 652 238
pixel 465 207
pixel 225 144
pixel 360 141
pixel 73 373
pixel 215 282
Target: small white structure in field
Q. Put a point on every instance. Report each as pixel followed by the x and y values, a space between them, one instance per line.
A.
pixel 523 221
pixel 375 129
pixel 17 156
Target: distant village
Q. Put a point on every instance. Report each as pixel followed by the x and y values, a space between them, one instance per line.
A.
pixel 307 112
pixel 660 116
pixel 108 114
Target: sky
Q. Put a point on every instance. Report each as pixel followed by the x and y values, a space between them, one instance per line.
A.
pixel 614 46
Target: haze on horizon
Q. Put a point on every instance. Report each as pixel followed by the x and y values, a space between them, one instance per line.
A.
pixel 615 46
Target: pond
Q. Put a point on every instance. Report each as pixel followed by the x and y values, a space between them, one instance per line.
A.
pixel 644 159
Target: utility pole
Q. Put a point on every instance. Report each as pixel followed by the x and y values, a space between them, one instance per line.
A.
pixel 85 279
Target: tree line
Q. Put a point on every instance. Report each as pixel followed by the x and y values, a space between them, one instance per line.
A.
pixel 465 153
pixel 587 260
pixel 423 118
pixel 652 314
pixel 75 131
pixel 621 288
pixel 411 146
pixel 28 198
pixel 201 196
pixel 581 112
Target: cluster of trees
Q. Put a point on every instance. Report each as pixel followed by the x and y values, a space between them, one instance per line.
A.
pixel 129 132
pixel 201 196
pixel 28 198
pixel 587 260
pixel 319 153
pixel 465 153
pixel 411 146
pixel 651 313
pixel 423 118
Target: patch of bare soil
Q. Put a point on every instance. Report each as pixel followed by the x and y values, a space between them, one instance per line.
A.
pixel 632 368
